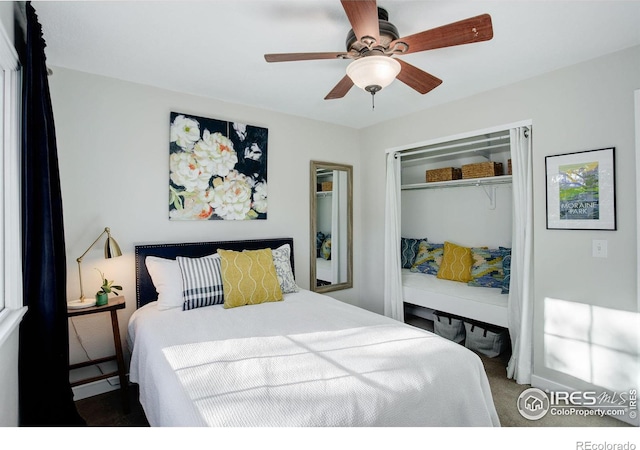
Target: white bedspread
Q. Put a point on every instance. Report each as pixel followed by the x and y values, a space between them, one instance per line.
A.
pixel 309 360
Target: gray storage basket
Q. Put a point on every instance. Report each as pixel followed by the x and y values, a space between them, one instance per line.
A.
pixel 487 339
pixel 449 326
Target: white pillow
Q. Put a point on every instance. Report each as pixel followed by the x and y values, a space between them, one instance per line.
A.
pixel 167 279
pixel 282 261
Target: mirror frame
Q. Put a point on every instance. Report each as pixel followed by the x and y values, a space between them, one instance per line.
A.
pixel 314 166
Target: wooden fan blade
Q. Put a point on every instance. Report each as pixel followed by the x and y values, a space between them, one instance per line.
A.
pixel 363 17
pixel 283 57
pixel 340 89
pixel 417 79
pixel 474 29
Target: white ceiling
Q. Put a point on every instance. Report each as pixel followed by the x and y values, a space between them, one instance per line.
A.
pixel 215 48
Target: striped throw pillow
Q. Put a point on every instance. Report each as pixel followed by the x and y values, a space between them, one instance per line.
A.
pixel 201 281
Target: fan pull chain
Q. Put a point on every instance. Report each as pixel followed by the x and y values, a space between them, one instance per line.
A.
pixel 372 89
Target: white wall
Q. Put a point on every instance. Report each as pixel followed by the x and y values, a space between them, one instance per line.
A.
pixel 585 107
pixel 6 17
pixel 114 165
pixel 461 215
pixel 9 381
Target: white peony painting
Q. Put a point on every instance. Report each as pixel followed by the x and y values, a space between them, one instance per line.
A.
pixel 217 169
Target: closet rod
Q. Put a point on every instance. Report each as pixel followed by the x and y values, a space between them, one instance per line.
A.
pixel 445 147
pixel 461 151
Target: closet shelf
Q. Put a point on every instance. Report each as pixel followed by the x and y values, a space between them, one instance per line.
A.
pixel 486 181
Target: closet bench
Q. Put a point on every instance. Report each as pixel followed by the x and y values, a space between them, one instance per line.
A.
pixel 487 305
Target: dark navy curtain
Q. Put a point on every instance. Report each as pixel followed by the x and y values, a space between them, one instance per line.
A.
pixel 45 396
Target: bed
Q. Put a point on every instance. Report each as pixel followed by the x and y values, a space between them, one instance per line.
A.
pixel 308 360
pixel 483 304
pixel 324 271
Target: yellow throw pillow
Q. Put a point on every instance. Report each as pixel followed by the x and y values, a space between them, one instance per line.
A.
pixel 456 263
pixel 248 277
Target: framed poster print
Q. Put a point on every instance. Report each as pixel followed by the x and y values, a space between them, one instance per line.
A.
pixel 581 190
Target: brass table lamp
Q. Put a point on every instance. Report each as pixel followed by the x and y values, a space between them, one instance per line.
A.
pixel 111 250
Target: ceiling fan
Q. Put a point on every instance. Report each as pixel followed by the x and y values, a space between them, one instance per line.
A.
pixel 373 43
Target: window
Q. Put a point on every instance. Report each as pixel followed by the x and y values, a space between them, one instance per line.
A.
pixel 11 307
pixel 2 213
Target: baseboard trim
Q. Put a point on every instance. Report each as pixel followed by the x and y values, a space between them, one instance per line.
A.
pixel 95 388
pixel 544 384
pixel 548 385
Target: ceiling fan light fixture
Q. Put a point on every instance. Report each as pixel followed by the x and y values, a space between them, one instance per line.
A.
pixel 373 73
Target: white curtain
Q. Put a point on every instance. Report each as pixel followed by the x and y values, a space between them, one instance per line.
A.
pixel 336 232
pixel 520 293
pixel 393 302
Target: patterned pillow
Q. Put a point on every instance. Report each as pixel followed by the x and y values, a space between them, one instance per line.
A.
pixel 201 281
pixel 506 267
pixel 487 268
pixel 282 261
pixel 456 263
pixel 428 259
pixel 325 250
pixel 409 251
pixel 319 240
pixel 249 277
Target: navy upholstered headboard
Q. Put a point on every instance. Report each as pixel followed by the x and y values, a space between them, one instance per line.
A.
pixel 145 290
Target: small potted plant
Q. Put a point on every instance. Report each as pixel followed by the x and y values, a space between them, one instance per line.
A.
pixel 102 296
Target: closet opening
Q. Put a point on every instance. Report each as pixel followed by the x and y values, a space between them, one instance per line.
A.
pixel 468 195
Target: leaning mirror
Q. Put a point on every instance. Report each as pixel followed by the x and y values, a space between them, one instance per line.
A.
pixel 331 226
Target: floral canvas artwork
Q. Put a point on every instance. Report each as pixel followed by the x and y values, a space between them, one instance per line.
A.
pixel 217 169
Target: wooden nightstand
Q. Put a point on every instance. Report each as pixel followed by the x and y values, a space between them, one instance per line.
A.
pixel 115 303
